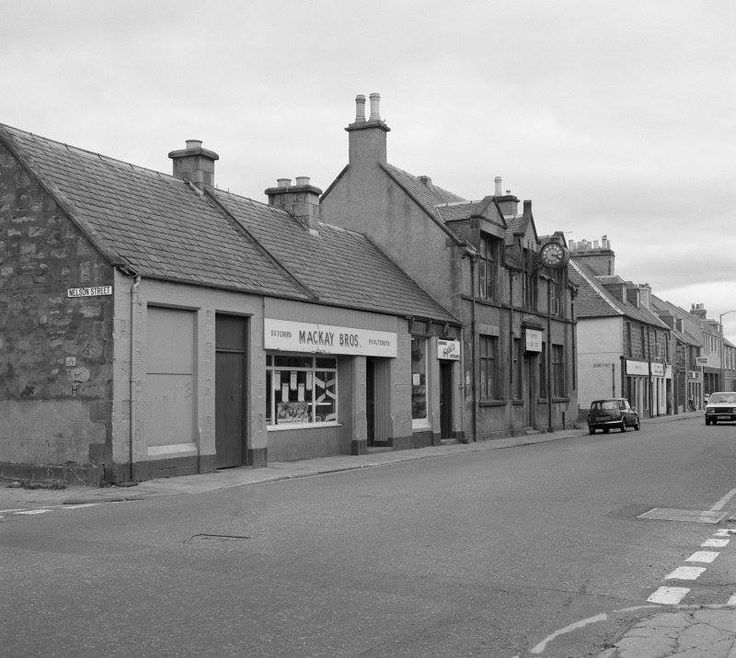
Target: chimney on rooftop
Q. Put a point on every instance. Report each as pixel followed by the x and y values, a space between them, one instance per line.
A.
pixel 508 203
pixel 499 185
pixel 698 310
pixel 599 257
pixel 367 139
pixel 195 164
pixel 301 200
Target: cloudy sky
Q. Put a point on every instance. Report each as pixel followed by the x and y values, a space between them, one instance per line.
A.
pixel 614 117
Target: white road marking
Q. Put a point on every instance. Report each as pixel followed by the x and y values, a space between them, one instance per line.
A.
pixel 725 532
pixel 722 502
pixel 703 556
pixel 17 509
pixel 732 600
pixel 539 648
pixel 77 506
pixel 685 573
pixel 28 512
pixel 715 543
pixel 668 595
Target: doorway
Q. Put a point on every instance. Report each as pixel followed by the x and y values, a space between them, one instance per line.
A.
pixel 531 389
pixel 230 399
pixel 446 399
pixel 370 400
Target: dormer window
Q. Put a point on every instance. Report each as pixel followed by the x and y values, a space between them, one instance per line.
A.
pixel 488 267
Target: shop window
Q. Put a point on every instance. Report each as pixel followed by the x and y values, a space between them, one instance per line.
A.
pixel 418 378
pixel 488 362
pixel 300 390
pixel 558 371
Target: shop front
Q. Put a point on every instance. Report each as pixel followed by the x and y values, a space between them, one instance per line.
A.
pixel 328 386
pixel 647 387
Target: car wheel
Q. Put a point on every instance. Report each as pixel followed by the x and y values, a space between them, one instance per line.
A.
pixel 636 427
pixel 623 426
pixel 707 422
pixel 591 430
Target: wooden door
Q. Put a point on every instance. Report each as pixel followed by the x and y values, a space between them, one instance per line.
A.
pixel 230 397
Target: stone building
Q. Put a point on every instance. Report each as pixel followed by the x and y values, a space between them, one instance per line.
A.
pixel 484 261
pixel 151 324
pixel 624 348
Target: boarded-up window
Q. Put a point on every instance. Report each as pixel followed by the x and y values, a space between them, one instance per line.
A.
pixel 169 387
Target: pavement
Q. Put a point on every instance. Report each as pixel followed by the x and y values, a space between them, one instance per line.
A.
pixel 683 631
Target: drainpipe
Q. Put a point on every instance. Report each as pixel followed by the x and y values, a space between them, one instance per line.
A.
pixel 549 353
pixel 473 348
pixel 133 381
pixel 649 363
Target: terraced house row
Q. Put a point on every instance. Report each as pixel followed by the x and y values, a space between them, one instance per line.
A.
pixel 153 325
pixel 633 344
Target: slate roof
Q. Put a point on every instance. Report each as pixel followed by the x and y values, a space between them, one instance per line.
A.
pixel 161 227
pixel 341 267
pixel 154 223
pixel 593 300
pixel 445 206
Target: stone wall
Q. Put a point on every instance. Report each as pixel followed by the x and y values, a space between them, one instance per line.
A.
pixel 55 351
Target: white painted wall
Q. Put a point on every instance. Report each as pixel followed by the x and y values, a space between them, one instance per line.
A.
pixel 600 347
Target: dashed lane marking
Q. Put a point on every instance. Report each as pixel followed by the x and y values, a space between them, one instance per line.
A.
pixel 732 600
pixel 715 543
pixel 669 595
pixel 703 556
pixel 30 512
pixel 685 573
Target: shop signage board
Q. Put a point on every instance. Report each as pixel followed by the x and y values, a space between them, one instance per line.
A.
pixel 448 349
pixel 533 340
pixel 637 368
pixel 90 291
pixel 668 372
pixel 701 360
pixel 327 339
pixel 657 370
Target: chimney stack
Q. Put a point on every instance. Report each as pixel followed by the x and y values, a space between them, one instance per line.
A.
pixel 301 200
pixel 367 139
pixel 698 310
pixel 195 164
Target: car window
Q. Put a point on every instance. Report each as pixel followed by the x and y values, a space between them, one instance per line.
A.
pixel 609 404
pixel 718 398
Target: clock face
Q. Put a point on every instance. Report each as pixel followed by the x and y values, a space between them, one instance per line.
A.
pixel 552 254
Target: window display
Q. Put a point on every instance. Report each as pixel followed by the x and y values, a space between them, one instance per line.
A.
pixel 418 378
pixel 300 390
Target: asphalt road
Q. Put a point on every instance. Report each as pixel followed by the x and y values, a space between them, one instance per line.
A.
pixel 497 553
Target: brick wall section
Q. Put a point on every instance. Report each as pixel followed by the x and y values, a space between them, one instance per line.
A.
pixel 55 352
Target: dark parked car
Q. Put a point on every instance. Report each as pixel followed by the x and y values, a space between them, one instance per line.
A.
pixel 720 406
pixel 612 413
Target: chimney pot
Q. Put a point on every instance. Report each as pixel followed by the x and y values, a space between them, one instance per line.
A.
pixel 283 182
pixel 302 180
pixel 194 143
pixel 359 108
pixel 375 98
pixel 499 189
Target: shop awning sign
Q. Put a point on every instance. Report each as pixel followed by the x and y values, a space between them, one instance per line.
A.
pixel 448 349
pixel 327 339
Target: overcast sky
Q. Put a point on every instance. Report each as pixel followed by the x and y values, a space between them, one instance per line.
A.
pixel 615 117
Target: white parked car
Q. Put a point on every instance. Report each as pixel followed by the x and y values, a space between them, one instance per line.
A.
pixel 720 406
